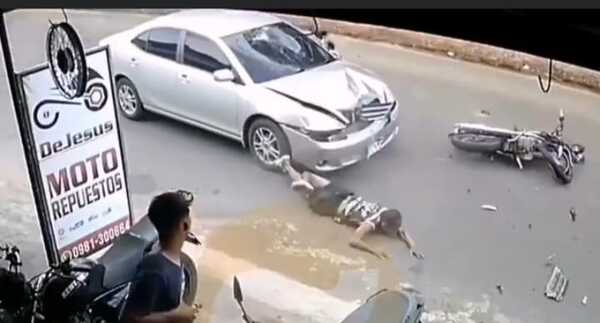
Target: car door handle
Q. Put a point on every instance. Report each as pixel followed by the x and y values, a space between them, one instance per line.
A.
pixel 184 78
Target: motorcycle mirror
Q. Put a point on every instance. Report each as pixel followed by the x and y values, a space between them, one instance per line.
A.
pixel 237 290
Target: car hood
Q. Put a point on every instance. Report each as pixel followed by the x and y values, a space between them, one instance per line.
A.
pixel 337 87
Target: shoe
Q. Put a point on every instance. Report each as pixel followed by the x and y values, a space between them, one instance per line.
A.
pixel 282 161
pixel 302 184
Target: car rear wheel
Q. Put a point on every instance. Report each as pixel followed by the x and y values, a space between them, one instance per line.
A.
pixel 129 100
pixel 267 142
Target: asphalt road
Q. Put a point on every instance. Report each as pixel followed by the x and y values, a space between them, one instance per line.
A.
pixel 439 190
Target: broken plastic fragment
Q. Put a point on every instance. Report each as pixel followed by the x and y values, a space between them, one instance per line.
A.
pixel 489 207
pixel 484 112
pixel 500 289
pixel 584 300
pixel 550 260
pixel 557 285
pixel 573 214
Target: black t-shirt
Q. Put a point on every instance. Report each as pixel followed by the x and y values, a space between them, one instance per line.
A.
pixel 344 206
pixel 158 286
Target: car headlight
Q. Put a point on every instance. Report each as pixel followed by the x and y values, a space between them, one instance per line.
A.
pixel 321 135
pixel 325 136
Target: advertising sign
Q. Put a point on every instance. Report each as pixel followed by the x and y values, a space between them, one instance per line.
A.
pixel 77 152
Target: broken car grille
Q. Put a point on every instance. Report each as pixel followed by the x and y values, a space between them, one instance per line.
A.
pixel 375 112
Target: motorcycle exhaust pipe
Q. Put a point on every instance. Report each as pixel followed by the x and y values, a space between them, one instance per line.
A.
pixel 484 130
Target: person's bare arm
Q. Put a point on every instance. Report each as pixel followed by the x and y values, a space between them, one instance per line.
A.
pixel 357 242
pixel 410 243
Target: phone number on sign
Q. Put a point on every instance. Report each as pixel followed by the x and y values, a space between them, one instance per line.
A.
pixel 95 242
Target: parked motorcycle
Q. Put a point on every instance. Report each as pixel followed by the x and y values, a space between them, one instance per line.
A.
pixel 522 145
pixel 386 306
pixel 83 290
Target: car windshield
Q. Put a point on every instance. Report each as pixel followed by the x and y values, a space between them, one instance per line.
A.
pixel 274 51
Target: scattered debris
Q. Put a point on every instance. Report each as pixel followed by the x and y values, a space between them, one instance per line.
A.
pixel 484 112
pixel 450 155
pixel 489 207
pixel 492 157
pixel 584 300
pixel 550 260
pixel 468 190
pixel 500 289
pixel 573 214
pixel 450 53
pixel 529 226
pixel 557 285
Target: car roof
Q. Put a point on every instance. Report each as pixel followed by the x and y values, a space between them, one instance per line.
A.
pixel 214 22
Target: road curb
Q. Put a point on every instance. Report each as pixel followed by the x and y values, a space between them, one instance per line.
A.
pixel 455 48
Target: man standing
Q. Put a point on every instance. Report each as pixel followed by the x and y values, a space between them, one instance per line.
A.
pixel 156 296
pixel 345 207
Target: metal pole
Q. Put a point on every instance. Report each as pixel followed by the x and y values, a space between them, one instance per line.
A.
pixel 27 141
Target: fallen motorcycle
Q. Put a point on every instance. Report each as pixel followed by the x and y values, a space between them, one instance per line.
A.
pixel 83 290
pixel 522 145
pixel 405 305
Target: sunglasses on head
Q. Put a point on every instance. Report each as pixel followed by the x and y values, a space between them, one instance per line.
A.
pixel 187 196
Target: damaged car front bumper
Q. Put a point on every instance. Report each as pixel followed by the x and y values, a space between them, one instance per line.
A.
pixel 356 146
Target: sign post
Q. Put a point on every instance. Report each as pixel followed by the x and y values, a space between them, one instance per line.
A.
pixel 74 156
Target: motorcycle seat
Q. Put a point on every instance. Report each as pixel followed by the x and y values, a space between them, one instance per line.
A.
pixel 121 261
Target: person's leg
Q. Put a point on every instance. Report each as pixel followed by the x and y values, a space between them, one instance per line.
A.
pixel 298 181
pixel 315 180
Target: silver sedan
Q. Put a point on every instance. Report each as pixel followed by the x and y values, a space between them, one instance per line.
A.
pixel 257 79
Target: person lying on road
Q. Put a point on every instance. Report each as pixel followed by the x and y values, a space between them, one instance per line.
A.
pixel 345 207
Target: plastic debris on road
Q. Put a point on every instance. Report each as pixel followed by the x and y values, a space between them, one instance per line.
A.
pixel 530 226
pixel 484 113
pixel 584 300
pixel 550 260
pixel 500 289
pixel 573 214
pixel 557 285
pixel 489 207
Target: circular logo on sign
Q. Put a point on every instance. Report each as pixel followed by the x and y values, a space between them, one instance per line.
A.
pixel 66 60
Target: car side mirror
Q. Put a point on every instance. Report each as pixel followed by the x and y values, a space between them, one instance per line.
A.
pixel 223 75
pixel 237 290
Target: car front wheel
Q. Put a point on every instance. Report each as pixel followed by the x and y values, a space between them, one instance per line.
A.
pixel 129 100
pixel 267 142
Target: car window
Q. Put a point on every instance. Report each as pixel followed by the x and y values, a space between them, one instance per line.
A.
pixel 203 53
pixel 163 42
pixel 141 41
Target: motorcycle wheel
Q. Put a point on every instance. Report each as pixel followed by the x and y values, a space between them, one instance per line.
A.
pixel 563 169
pixel 476 143
pixel 191 279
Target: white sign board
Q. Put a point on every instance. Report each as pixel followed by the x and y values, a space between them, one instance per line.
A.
pixel 80 160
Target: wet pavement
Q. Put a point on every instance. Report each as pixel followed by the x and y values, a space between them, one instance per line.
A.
pixel 295 266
